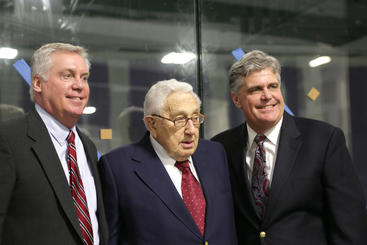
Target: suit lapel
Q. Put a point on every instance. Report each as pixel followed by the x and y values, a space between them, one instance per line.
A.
pixel 200 160
pixel 239 146
pixel 50 163
pixel 91 154
pixel 151 171
pixel 289 145
pixel 202 163
pixel 89 151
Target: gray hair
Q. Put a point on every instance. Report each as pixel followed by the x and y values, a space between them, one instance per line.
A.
pixel 41 62
pixel 255 60
pixel 158 93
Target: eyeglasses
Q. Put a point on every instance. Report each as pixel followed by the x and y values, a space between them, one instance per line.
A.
pixel 181 121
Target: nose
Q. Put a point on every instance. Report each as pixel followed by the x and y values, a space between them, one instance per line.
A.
pixel 266 94
pixel 78 84
pixel 190 128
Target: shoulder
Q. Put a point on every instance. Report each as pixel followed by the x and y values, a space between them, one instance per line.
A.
pixel 84 135
pixel 311 130
pixel 208 144
pixel 120 152
pixel 210 149
pixel 13 128
pixel 229 133
pixel 307 125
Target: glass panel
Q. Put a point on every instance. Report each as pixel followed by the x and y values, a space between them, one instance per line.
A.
pixel 126 41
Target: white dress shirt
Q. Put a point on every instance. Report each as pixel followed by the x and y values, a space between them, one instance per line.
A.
pixel 169 164
pixel 58 133
pixel 271 145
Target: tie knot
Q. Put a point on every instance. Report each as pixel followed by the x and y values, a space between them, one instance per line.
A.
pixel 71 137
pixel 259 139
pixel 182 166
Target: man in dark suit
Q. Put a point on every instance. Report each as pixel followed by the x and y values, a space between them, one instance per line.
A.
pixel 170 187
pixel 50 190
pixel 292 178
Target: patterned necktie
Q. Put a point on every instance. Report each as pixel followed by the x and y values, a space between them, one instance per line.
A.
pixel 77 190
pixel 260 180
pixel 192 195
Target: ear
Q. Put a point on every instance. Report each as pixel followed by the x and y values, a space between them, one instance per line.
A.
pixel 150 122
pixel 236 100
pixel 36 84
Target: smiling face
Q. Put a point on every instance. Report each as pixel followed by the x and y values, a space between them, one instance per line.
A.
pixel 261 100
pixel 180 143
pixel 66 91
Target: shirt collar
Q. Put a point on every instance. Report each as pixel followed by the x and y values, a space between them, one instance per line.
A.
pixel 56 129
pixel 272 134
pixel 162 153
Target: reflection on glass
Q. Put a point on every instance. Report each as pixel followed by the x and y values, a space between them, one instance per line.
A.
pixel 319 61
pixel 178 58
pixel 8 53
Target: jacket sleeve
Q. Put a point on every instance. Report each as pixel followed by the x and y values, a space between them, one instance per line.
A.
pixel 346 214
pixel 110 199
pixel 7 181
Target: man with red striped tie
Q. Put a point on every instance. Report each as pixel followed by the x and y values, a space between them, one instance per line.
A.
pixel 49 185
pixel 170 187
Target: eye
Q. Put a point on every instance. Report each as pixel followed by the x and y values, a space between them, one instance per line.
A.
pixel 254 89
pixel 274 85
pixel 195 118
pixel 180 119
pixel 66 75
pixel 85 78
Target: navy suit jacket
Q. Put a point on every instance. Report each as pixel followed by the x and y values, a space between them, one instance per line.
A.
pixel 36 205
pixel 315 196
pixel 144 207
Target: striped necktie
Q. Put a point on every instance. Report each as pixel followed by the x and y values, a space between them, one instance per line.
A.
pixel 260 180
pixel 77 190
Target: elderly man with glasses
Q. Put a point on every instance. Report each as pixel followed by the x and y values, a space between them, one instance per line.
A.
pixel 171 187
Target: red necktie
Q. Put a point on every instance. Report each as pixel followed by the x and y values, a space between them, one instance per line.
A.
pixel 192 195
pixel 260 180
pixel 77 190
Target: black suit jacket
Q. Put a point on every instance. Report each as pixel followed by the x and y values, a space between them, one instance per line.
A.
pixel 315 196
pixel 36 205
pixel 144 207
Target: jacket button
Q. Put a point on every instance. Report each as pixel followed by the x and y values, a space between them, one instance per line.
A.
pixel 262 234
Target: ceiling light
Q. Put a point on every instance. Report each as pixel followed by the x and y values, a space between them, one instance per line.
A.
pixel 177 58
pixel 319 61
pixel 8 53
pixel 89 110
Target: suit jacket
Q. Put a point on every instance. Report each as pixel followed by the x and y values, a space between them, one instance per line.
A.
pixel 36 205
pixel 144 207
pixel 315 197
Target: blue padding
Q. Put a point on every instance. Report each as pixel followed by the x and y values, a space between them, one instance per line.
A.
pixel 238 53
pixel 98 155
pixel 286 108
pixel 24 70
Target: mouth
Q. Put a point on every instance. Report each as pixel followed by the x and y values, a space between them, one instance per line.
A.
pixel 265 107
pixel 74 98
pixel 187 144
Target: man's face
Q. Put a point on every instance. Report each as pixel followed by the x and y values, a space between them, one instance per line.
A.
pixel 66 91
pixel 180 143
pixel 261 100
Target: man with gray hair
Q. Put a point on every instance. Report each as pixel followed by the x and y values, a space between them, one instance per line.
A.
pixel 171 187
pixel 50 190
pixel 293 180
